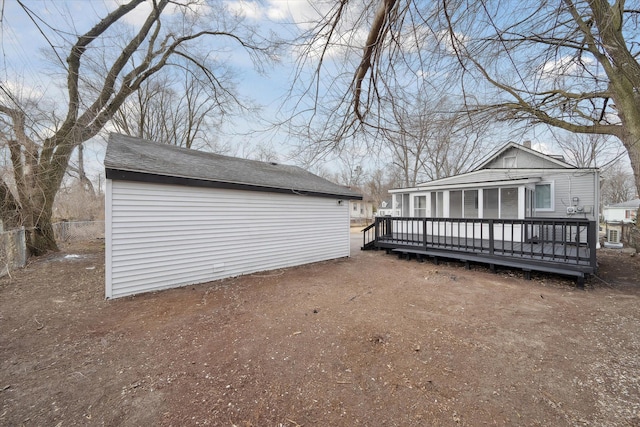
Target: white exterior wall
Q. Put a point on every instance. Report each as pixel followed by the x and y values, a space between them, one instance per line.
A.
pixel 162 236
pixel 615 214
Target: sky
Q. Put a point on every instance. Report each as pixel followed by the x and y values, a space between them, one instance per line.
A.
pixel 23 45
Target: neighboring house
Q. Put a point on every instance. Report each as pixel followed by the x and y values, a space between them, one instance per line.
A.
pixel 176 217
pixel 360 211
pixel 516 182
pixel 621 212
pixel 386 208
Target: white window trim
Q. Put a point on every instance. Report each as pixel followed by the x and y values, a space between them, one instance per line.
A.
pixel 515 162
pixel 553 197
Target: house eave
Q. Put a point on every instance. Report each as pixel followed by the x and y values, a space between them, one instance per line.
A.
pixel 136 176
pixel 485 184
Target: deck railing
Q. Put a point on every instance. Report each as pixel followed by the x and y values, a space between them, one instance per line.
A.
pixel 557 240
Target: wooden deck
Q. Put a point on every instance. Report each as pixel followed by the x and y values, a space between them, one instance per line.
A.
pixel 559 246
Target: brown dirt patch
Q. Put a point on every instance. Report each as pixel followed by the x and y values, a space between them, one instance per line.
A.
pixel 371 340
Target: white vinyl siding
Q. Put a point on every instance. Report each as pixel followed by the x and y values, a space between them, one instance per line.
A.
pixel 162 236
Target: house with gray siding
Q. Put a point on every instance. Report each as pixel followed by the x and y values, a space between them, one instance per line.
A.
pixel 516 182
pixel 176 217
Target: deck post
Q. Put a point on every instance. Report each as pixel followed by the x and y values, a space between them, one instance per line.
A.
pixel 491 237
pixel 424 232
pixel 592 242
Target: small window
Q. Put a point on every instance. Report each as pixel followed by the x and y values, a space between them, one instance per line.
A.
pixel 509 162
pixel 355 207
pixel 544 197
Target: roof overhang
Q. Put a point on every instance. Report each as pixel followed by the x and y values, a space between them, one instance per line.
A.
pixel 470 185
pixel 136 176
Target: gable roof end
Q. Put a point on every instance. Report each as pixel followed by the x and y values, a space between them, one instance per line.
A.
pixel 509 145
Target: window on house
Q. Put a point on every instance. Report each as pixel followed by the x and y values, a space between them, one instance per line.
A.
pixel 509 203
pixel 471 203
pixel 490 203
pixel 420 206
pixel 627 214
pixel 355 207
pixel 434 205
pixel 455 204
pixel 401 205
pixel 543 197
pixel 509 162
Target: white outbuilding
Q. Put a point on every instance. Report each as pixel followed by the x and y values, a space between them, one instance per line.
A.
pixel 176 217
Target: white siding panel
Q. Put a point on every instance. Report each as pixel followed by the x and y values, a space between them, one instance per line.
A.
pixel 165 236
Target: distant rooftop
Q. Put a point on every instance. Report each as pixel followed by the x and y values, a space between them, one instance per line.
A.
pixel 632 204
pixel 136 159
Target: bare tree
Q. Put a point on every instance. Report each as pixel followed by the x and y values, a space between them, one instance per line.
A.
pixel 77 169
pixel 568 64
pixel 40 158
pixel 590 150
pixel 378 184
pixel 434 140
pixel 175 110
pixel 618 185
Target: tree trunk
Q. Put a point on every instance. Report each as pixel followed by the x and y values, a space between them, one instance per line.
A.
pixel 9 208
pixel 38 229
pixel 41 239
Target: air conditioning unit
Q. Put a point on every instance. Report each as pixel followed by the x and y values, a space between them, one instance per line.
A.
pixel 571 210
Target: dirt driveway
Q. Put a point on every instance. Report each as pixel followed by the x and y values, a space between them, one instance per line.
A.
pixel 371 340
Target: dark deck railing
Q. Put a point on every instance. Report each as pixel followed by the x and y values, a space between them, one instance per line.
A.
pixel 534 242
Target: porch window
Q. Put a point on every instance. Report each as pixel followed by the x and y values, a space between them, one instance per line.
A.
pixel 420 206
pixel 490 203
pixel 509 203
pixel 404 205
pixel 440 205
pixel 544 197
pixel 471 203
pixel 455 204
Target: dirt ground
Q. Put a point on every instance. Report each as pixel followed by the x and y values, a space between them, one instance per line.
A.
pixel 371 340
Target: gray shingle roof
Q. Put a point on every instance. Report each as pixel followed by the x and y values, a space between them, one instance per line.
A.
pixel 635 203
pixel 129 154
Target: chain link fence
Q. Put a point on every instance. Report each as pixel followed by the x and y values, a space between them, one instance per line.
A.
pixel 13 250
pixel 75 231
